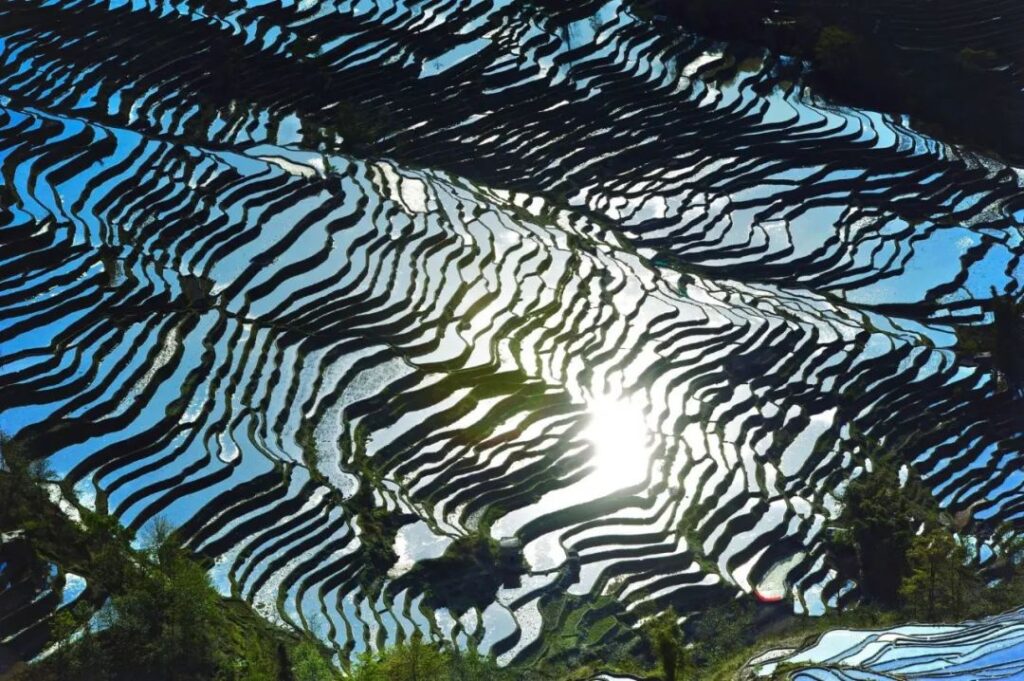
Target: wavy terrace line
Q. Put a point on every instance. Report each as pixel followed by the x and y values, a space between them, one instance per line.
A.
pixel 494 321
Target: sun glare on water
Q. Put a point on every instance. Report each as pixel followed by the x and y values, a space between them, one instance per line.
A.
pixel 620 438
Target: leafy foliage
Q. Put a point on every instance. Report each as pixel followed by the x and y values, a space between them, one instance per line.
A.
pixel 839 52
pixel 998 343
pixel 938 581
pixel 911 556
pixel 168 616
pixel 416 660
pixel 878 523
pixel 468 574
pixel 308 664
pixel 162 619
pixel 666 638
pixel 857 54
pixel 723 630
pixel 165 622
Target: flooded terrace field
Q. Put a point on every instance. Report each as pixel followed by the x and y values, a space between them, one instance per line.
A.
pixel 500 321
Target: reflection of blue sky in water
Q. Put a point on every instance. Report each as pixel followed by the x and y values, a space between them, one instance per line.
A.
pixel 416 542
pixel 689 347
pixel 991 648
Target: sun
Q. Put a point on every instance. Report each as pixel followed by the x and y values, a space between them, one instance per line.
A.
pixel 620 438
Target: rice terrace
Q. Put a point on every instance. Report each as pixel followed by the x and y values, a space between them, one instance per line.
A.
pixel 511 340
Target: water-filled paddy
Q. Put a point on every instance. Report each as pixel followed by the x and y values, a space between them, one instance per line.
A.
pixel 403 274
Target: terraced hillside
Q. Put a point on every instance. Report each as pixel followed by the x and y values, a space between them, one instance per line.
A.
pixel 954 67
pixel 986 649
pixel 498 321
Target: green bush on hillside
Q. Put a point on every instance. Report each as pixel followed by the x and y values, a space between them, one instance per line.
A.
pixel 911 557
pixel 666 639
pixel 939 578
pixel 839 53
pixel 417 660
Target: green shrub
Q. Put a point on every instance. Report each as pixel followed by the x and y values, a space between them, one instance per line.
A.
pixel 666 640
pixel 308 663
pixel 978 58
pixel 722 630
pixel 839 53
pixel 878 524
pixel 939 581
pixel 416 660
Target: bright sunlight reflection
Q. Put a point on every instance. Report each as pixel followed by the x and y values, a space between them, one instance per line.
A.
pixel 619 434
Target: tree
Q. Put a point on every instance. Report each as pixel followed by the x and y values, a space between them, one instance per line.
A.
pixel 722 630
pixel 839 53
pixel 308 664
pixel 411 660
pixel 938 581
pixel 418 660
pixel 978 59
pixel 879 520
pixel 168 617
pixel 666 639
